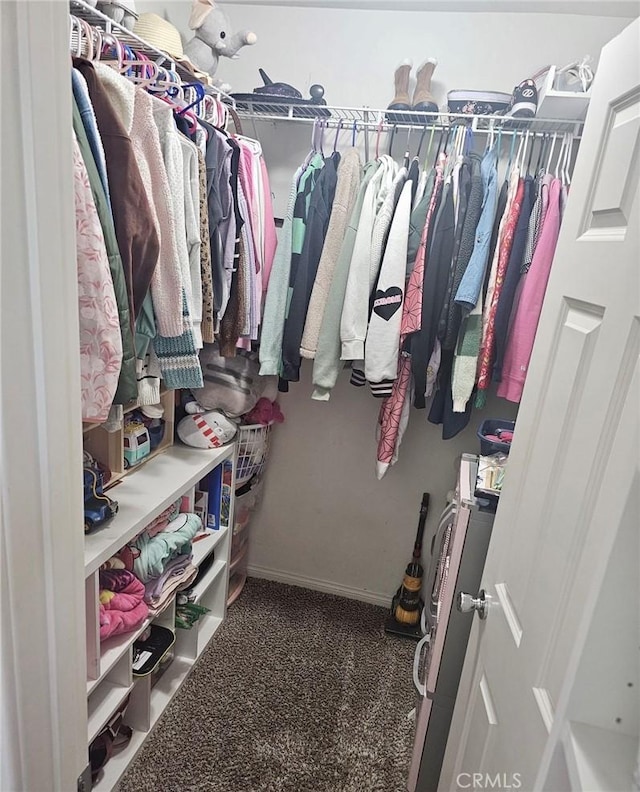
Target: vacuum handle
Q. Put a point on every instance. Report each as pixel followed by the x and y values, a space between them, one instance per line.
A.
pixel 424 508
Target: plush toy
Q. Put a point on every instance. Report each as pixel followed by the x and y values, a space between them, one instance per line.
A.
pixel 213 36
pixel 208 430
pixel 121 11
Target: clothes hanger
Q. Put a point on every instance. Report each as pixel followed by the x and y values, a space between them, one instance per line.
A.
pixel 421 141
pixel 531 154
pixel 553 145
pixel 354 134
pixel 568 162
pixel 511 149
pixel 380 122
pixel 426 156
pixel 407 155
pixel 391 138
pixel 335 141
pixel 557 172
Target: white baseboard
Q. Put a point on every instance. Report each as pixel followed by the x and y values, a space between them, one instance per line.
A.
pixel 325 586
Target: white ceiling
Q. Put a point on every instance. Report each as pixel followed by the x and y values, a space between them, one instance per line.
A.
pixel 611 8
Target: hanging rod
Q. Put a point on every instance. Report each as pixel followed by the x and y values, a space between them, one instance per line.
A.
pixel 95 18
pixel 386 120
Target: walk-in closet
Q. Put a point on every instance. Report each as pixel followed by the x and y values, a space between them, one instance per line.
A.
pixel 320 384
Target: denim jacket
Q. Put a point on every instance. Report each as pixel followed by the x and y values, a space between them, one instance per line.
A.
pixel 83 102
pixel 472 280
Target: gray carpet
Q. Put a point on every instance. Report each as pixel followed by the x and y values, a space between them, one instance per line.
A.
pixel 298 692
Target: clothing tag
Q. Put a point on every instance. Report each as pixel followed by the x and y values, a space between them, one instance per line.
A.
pixel 140 660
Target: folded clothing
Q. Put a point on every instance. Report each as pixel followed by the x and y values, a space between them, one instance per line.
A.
pixel 178 581
pixel 122 605
pixel 161 521
pixel 154 587
pixel 147 556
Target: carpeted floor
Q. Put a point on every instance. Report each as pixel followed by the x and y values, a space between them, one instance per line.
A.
pixel 298 692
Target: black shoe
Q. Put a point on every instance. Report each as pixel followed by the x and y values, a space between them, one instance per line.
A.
pixel 524 102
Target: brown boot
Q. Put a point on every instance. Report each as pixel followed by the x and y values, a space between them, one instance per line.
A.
pixel 401 100
pixel 422 97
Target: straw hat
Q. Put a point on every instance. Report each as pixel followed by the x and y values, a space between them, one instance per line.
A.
pixel 164 36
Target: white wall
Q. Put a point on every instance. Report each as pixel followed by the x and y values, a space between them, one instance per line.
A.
pixel 324 516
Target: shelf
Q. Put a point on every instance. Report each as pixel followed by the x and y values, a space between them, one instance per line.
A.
pixel 102 704
pixel 599 759
pixel 203 547
pixel 207 628
pixel 161 695
pixel 208 580
pixel 147 492
pixel 261 109
pixel 83 10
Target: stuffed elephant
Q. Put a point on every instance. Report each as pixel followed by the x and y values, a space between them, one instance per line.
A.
pixel 121 11
pixel 213 36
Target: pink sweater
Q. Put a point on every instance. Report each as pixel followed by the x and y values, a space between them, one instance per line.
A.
pixel 525 322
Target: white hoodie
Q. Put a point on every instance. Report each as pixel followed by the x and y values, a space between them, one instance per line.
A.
pixel 355 312
pixel 383 336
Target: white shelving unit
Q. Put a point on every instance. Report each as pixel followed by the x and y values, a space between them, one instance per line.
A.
pixel 142 496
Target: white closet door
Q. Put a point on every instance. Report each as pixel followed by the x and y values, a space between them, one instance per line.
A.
pixel 43 741
pixel 570 495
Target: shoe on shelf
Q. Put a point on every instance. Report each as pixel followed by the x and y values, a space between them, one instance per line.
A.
pixel 422 97
pixel 401 100
pixel 524 102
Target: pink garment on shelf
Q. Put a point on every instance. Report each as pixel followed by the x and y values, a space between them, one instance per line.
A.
pixel 161 521
pixel 100 336
pixel 270 238
pixel 122 605
pixel 525 321
pixel 485 358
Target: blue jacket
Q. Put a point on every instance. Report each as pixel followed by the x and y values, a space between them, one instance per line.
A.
pixel 473 278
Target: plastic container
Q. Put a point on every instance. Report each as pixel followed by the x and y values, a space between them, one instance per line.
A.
pixel 238 575
pixel 489 427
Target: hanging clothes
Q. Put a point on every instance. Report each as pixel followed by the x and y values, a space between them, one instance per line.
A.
pixel 501 259
pixel 100 339
pixel 316 226
pixel 511 279
pixel 137 238
pixel 525 322
pixel 327 359
pixel 348 181
pixel 276 300
pixel 469 294
pixel 126 390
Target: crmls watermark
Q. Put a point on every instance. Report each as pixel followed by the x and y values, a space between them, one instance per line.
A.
pixel 489 781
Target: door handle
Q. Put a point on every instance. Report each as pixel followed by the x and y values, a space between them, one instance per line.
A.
pixel 466 603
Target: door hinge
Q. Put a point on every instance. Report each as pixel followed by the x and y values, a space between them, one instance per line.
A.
pixel 84 780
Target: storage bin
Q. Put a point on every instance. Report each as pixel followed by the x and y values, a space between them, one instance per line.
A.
pixel 490 427
pixel 253 444
pixel 238 575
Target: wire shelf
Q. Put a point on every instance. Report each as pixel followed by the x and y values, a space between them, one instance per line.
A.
pixel 95 18
pixel 260 109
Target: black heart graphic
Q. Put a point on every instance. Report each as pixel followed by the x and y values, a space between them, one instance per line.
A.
pixel 386 303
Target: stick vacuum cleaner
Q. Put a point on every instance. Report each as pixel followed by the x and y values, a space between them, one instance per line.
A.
pixel 407 604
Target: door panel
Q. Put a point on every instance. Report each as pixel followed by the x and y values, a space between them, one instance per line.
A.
pixel 574 459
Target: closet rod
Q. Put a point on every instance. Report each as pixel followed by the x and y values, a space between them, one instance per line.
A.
pixel 541 128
